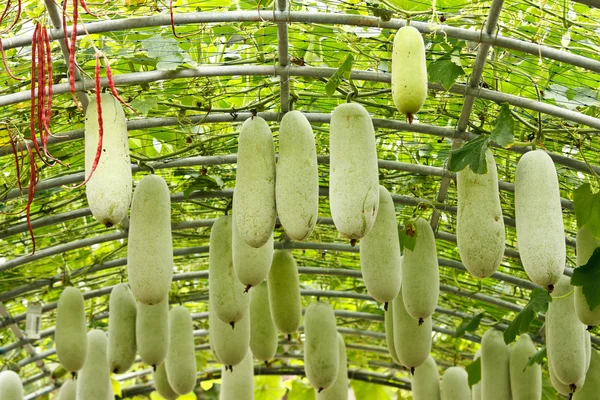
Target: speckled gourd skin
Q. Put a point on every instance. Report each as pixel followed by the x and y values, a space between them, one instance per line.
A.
pixel 353 171
pixel 152 332
pixel 389 332
pixel 11 387
pixel 161 383
pixel 420 273
pixel 565 340
pixel 68 390
pixel 226 291
pixel 455 384
pixel 411 340
pixel 476 388
pixel 339 389
pixel 591 386
pixel 587 342
pixel 263 332
pixel 321 351
pixel 239 383
pixel 284 292
pixel 121 329
pixel 480 232
pixel 585 246
pixel 426 381
pixel 180 362
pixel 525 381
pixel 297 184
pixel 108 191
pixel 409 71
pixel 70 336
pixel 150 244
pixel 380 261
pixel 229 345
pixel 254 195
pixel 495 366
pixel 540 229
pixel 250 264
pixel 93 381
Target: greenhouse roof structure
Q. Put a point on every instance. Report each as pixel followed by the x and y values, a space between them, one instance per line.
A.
pixel 513 76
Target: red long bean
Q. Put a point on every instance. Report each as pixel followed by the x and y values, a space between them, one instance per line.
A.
pixel 14 148
pixel 72 50
pixel 3 55
pixel 111 84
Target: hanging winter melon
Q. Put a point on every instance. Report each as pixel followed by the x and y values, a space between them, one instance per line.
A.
pixel 353 171
pixel 238 384
pixel 426 381
pixel 412 340
pixel 297 184
pixel 263 332
pixel 121 329
pixel 525 380
pixel 68 390
pixel 479 223
pixel 591 386
pixel 389 332
pixel 11 387
pixel 339 389
pixel 284 292
pixel 161 383
pixel 108 190
pixel 93 381
pixel 70 335
pixel 585 246
pixel 455 385
pixel 540 229
pixel 152 332
pixel 380 261
pixel 495 366
pixel 409 72
pixel 180 362
pixel 321 351
pixel 254 195
pixel 150 244
pixel 229 345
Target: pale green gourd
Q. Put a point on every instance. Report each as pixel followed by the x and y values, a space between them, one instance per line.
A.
pixel 161 383
pixel 495 366
pixel 455 384
pixel 389 332
pixel 238 384
pixel 297 183
pixel 230 345
pixel 68 391
pixel 321 351
pixel 150 244
pixel 152 332
pixel 263 332
pixel 380 261
pixel 93 380
pixel 11 387
pixel 585 246
pixel 426 381
pixel 353 171
pixel 180 362
pixel 525 381
pixel 254 195
pixel 412 340
pixel 339 389
pixel 70 335
pixel 284 292
pixel 121 329
pixel 591 386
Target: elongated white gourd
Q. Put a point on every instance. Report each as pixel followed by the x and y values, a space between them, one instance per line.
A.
pixel 180 362
pixel 11 387
pixel 68 391
pixel 565 336
pixel 297 184
pixel 284 292
pixel 250 264
pixel 412 340
pixel 525 381
pixel 353 171
pixel 389 332
pixel 495 366
pixel 263 332
pixel 420 274
pixel 70 335
pixel 321 351
pixel 152 332
pixel 150 244
pixel 121 329
pixel 238 384
pixel 380 260
pixel 591 386
pixel 409 71
pixel 588 349
pixel 585 246
pixel 455 384
pixel 476 389
pixel 161 383
pixel 226 292
pixel 254 195
pixel 426 381
pixel 480 233
pixel 540 229
pixel 339 389
pixel 108 191
pixel 230 345
pixel 93 381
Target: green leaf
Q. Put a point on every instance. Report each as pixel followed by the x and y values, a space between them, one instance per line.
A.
pixel 165 50
pixel 408 236
pixel 445 70
pixel 371 391
pixel 538 302
pixel 144 104
pixel 203 182
pixel 300 390
pixel 537 357
pixel 468 325
pixel 474 371
pixel 503 132
pixel 472 154
pixel 588 277
pixel 587 208
pixel 342 71
pixel 268 388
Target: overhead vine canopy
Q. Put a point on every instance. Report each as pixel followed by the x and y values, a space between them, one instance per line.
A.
pixel 514 75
